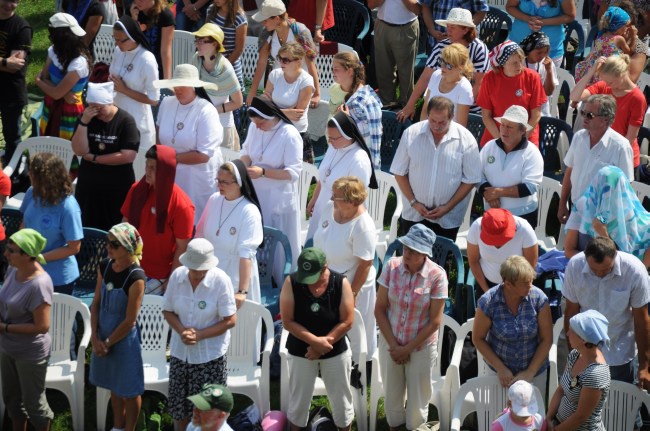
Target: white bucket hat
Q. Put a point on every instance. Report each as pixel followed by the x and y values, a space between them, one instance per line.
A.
pixel 516 114
pixel 185 75
pixel 60 19
pixel 268 9
pixel 458 16
pixel 199 255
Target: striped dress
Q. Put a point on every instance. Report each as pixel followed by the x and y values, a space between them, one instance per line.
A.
pixel 230 37
pixel 61 114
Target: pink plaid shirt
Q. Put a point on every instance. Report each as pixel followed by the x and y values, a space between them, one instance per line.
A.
pixel 410 295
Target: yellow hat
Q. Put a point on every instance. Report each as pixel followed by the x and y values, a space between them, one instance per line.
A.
pixel 213 31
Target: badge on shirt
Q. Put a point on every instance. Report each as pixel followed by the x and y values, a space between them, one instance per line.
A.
pixel 315 307
pixel 325 224
pixel 233 230
pixel 202 305
pixel 153 210
pixel 109 286
pixel 519 92
pixel 490 159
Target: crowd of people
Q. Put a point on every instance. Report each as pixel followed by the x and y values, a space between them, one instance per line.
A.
pixel 190 227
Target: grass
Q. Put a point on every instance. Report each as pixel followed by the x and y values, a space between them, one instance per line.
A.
pixel 37 13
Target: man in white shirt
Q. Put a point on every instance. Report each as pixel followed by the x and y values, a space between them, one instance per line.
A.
pixel 592 148
pixel 211 409
pixel 397 33
pixel 436 165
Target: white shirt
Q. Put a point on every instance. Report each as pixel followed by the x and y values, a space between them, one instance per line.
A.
pixel 522 165
pixel 492 257
pixel 612 149
pixel 461 94
pixel 79 64
pixel 436 172
pixel 286 95
pixel 626 287
pixel 212 300
pixel 394 12
pixel 541 69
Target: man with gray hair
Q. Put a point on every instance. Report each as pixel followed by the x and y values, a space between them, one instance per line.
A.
pixel 595 146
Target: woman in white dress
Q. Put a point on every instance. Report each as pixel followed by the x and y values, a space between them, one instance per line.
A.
pixel 347 154
pixel 232 222
pixel 347 235
pixel 133 71
pixel 273 154
pixel 189 123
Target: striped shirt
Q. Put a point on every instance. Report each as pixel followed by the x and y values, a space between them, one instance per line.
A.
pixel 365 109
pixel 230 38
pixel 595 376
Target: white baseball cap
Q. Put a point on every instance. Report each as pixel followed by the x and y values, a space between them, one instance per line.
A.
pixel 522 398
pixel 60 19
pixel 268 9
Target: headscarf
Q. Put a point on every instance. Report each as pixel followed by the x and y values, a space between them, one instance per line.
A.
pixel 535 41
pixel 165 177
pixel 30 242
pixel 349 130
pixel 223 75
pixel 502 52
pixel 133 31
pixel 266 109
pixel 610 199
pixel 245 183
pixel 129 237
pixel 616 17
pixel 591 326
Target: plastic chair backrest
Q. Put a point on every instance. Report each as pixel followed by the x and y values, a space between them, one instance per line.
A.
pixel 644 84
pixel 566 82
pixel 545 192
pixel 352 23
pixel 476 126
pixel 308 174
pixel 642 192
pixel 154 329
pixel 104 45
pixel 569 29
pixel 62 317
pixel 644 140
pixel 11 219
pixel 442 248
pixel 377 198
pixel 490 29
pixel 93 251
pixel 41 144
pixel 390 138
pixel 183 48
pixel 265 259
pixel 249 57
pixel 622 404
pixel 550 133
pixel 590 38
pixel 243 345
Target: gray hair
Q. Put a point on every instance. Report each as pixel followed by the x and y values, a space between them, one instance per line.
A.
pixel 607 105
pixel 517 268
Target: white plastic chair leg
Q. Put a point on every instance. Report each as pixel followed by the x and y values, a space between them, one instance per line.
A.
pixel 103 397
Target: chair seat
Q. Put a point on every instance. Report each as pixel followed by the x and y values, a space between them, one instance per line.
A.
pixel 62 371
pixel 243 375
pixel 155 373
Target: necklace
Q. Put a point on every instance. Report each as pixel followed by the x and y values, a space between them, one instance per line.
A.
pixel 265 145
pixel 232 230
pixel 328 171
pixel 181 124
pixel 129 67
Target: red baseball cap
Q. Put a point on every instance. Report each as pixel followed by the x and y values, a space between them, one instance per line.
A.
pixel 497 227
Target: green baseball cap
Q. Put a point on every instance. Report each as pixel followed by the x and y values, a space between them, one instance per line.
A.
pixel 213 397
pixel 310 264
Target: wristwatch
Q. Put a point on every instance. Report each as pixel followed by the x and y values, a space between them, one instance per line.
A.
pixel 413 201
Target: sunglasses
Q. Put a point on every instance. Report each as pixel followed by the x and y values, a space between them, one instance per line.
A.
pixel 589 115
pixel 114 244
pixel 446 65
pixel 286 60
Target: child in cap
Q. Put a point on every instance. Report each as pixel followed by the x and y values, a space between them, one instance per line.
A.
pixel 521 413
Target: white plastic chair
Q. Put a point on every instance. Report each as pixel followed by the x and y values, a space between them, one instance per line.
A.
pixel 461 238
pixel 244 375
pixel 545 192
pixel 104 44
pixel 357 335
pixel 307 175
pixel 377 199
pixel 324 68
pixel 642 190
pixel 643 82
pixel 249 57
pixel 443 386
pixel 228 155
pixel 154 332
pixel 491 399
pixel 182 48
pixel 562 77
pixel 553 372
pixel 620 408
pixel 41 144
pixel 64 374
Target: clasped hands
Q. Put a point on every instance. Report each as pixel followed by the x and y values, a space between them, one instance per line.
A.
pixel 319 347
pixel 433 213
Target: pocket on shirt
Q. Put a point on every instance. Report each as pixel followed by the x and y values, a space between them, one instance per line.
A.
pixel 454 165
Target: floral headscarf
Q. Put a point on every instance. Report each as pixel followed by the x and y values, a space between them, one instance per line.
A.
pixel 129 237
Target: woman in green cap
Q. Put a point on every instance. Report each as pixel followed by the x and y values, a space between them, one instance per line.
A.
pixel 25 300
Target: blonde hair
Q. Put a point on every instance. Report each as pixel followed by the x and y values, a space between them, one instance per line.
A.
pixel 616 66
pixel 352 188
pixel 458 56
pixel 517 268
pixel 294 49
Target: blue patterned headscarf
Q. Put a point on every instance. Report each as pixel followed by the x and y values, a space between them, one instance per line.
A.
pixel 610 199
pixel 616 17
pixel 591 326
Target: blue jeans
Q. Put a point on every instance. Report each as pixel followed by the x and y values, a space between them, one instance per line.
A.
pixel 182 20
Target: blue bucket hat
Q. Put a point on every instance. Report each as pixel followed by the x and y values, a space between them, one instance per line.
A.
pixel 419 238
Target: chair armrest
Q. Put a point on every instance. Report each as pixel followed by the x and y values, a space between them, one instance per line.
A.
pixel 85 339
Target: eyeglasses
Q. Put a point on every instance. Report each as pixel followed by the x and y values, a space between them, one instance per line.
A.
pixel 286 60
pixel 203 40
pixel 225 183
pixel 446 65
pixel 114 244
pixel 126 39
pixel 589 115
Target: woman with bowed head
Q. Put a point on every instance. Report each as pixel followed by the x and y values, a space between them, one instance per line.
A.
pixel 215 68
pixel 107 141
pixel 64 76
pixel 232 222
pixel 200 309
pixel 347 155
pixel 157 22
pixel 50 208
pixel 513 329
pixel 317 308
pixel 116 362
pixel 26 299
pixel 189 123
pixel 578 401
pixel 510 83
pixel 347 235
pixel 272 154
pixel 133 71
pixel 537 46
